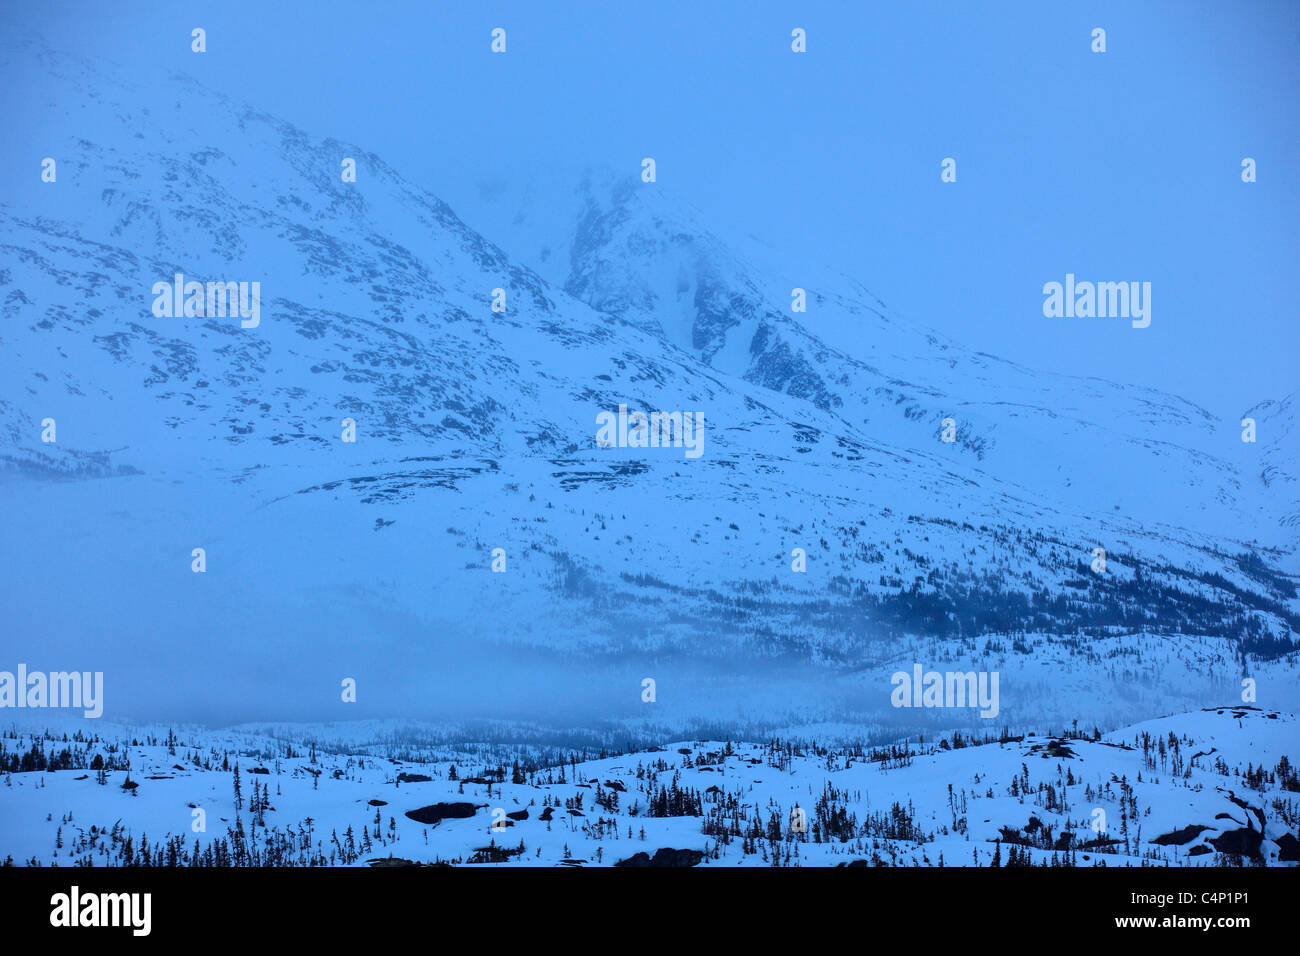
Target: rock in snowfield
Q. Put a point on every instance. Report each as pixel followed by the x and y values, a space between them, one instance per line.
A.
pixel 442 811
pixel 664 857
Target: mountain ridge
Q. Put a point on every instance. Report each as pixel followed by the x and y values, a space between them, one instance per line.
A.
pixel 477 431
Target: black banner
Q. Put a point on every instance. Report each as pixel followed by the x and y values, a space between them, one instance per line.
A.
pixel 331 904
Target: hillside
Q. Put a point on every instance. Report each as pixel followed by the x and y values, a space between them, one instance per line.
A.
pixel 1214 787
pixel 477 430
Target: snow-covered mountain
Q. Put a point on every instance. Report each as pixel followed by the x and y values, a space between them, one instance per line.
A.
pixel 624 247
pixel 476 430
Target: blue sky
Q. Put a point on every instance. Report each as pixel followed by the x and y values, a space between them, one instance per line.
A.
pixel 1115 166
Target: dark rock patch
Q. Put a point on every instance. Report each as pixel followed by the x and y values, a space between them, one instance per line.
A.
pixel 386 861
pixel 1288 848
pixel 1180 837
pixel 1238 842
pixel 1258 813
pixel 437 812
pixel 664 857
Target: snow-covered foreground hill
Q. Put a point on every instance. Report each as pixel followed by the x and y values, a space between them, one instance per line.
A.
pixel 1215 787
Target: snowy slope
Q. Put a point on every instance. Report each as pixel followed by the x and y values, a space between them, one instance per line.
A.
pixel 477 430
pixel 1214 787
pixel 631 249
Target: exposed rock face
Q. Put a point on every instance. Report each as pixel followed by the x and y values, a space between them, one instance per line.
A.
pixel 1288 847
pixel 1180 837
pixel 442 811
pixel 665 856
